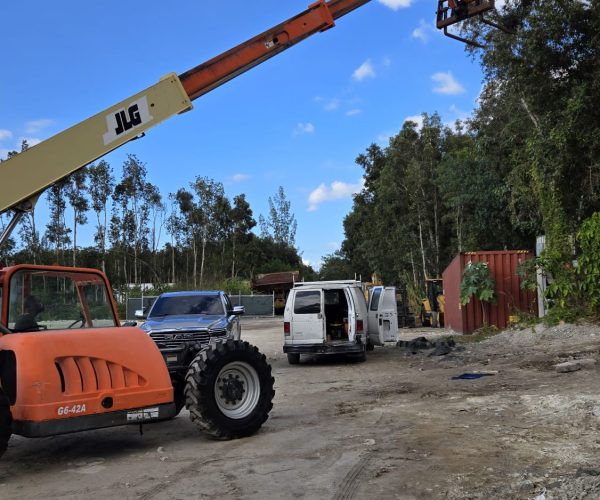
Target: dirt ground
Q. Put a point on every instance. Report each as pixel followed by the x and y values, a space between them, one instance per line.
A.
pixel 396 426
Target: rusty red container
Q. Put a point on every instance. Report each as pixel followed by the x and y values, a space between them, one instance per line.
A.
pixel 510 298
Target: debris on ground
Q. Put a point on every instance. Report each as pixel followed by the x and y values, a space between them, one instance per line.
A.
pixel 439 347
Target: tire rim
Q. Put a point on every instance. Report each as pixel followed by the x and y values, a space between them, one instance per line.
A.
pixel 237 389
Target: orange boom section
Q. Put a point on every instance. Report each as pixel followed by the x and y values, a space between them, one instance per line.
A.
pixel 318 17
pixel 106 369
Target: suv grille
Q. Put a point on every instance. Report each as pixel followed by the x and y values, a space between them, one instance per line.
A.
pixel 177 338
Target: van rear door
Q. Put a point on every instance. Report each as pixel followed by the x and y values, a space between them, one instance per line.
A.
pixel 308 324
pixel 382 315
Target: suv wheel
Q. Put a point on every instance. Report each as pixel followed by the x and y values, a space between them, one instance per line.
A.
pixel 5 422
pixel 229 390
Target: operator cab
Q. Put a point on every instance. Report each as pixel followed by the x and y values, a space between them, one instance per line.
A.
pixel 38 298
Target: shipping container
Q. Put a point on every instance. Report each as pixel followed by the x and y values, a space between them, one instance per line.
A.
pixel 510 298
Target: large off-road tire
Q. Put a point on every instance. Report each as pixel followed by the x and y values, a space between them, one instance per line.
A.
pixel 5 422
pixel 293 358
pixel 229 390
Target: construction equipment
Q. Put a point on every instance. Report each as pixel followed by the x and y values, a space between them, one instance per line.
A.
pixel 432 305
pixel 77 368
pixel 450 12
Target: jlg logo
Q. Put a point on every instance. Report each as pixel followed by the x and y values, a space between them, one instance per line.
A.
pixel 125 119
pixel 125 122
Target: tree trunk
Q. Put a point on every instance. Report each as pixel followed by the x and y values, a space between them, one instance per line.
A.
pixel 202 261
pixel 233 257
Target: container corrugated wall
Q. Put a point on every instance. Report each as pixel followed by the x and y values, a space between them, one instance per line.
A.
pixel 509 295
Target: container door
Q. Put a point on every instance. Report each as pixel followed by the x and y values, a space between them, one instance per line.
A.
pixel 383 315
pixel 308 322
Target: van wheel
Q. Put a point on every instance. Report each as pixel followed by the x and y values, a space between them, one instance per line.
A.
pixel 229 390
pixel 5 422
pixel 293 358
pixel 370 346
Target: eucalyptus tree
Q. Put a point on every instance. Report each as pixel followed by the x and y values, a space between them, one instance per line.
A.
pixel 242 223
pixel 281 224
pixel 75 192
pixel 101 183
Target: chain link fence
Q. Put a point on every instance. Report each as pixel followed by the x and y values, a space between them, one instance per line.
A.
pixel 255 305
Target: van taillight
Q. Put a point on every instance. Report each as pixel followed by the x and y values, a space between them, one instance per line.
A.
pixel 359 326
pixel 286 328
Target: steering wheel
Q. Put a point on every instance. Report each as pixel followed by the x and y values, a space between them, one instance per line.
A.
pixel 81 320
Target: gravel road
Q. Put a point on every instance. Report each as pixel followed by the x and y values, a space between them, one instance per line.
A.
pixel 397 426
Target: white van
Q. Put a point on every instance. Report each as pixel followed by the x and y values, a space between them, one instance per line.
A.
pixel 332 317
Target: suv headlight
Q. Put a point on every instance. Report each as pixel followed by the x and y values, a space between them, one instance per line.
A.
pixel 146 327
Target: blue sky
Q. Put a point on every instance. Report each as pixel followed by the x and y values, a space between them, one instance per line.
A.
pixel 299 120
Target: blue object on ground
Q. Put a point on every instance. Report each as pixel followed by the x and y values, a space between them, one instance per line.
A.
pixel 471 376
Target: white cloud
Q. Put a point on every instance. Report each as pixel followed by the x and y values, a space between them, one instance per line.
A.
pixel 306 262
pixel 365 70
pixel 424 31
pixel 353 112
pixel 332 105
pixel 35 126
pixel 396 4
pixel 304 128
pixel 5 134
pixel 240 177
pixel 418 119
pixel 336 191
pixel 447 84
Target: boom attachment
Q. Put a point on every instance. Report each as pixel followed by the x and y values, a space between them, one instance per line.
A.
pixel 451 12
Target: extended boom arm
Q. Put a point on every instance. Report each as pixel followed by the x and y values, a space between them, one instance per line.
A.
pixel 25 176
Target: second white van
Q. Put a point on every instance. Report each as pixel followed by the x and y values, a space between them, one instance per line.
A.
pixel 333 317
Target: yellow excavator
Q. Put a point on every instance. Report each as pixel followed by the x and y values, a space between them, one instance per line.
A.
pixel 433 304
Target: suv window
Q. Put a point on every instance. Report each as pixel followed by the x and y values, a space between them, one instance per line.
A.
pixel 228 304
pixel 307 302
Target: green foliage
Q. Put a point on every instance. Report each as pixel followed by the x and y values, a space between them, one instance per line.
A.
pixel 588 269
pixel 477 282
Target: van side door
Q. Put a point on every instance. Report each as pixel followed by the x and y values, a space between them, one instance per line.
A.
pixel 308 324
pixel 382 315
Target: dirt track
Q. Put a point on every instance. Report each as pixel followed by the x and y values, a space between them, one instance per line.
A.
pixel 397 426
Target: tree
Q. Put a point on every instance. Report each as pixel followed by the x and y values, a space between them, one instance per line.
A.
pixel 281 223
pixel 101 185
pixel 131 213
pixel 75 192
pixel 57 232
pixel 242 223
pixel 477 282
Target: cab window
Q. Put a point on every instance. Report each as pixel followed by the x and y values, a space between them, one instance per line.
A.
pixel 56 300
